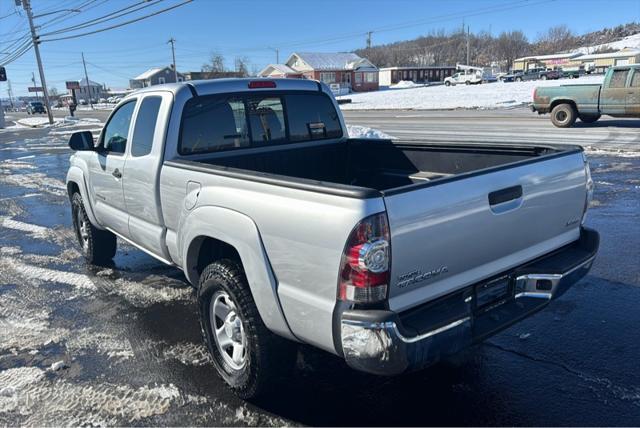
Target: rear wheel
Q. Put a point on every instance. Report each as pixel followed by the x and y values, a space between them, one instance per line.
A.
pixel 467 82
pixel 248 357
pixel 518 79
pixel 589 118
pixel 98 246
pixel 563 115
pixel 447 83
pixel 544 77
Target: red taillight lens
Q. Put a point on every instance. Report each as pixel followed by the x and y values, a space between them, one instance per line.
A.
pixel 257 84
pixel 365 264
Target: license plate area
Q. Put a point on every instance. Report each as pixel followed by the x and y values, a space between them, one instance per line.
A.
pixel 490 294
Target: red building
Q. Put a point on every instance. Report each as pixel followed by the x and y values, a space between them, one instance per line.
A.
pixel 348 70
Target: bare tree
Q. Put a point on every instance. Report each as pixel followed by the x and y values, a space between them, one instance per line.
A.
pixel 215 65
pixel 242 66
pixel 556 39
pixel 511 45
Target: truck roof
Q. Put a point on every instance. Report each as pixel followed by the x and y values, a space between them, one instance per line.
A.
pixel 215 86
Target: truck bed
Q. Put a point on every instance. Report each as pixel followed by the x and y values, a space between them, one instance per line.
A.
pixel 382 166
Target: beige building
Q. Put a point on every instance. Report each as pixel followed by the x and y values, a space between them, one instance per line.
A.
pixel 544 61
pixel 600 62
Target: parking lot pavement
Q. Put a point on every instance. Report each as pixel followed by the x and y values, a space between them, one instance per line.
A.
pixel 121 345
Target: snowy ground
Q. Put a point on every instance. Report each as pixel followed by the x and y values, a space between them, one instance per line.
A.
pixel 357 131
pixel 486 96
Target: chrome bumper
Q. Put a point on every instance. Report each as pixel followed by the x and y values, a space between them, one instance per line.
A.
pixel 386 343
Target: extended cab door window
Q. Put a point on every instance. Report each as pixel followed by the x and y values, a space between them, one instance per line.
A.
pixel 619 79
pixel 115 134
pixel 142 140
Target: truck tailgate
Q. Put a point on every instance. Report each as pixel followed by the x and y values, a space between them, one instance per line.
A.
pixel 451 233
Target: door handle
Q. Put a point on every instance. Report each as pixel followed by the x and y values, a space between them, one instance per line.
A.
pixel 505 195
pixel 116 173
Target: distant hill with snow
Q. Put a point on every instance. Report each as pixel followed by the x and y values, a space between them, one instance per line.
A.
pixel 631 42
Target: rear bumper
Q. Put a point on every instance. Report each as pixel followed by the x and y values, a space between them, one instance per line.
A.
pixel 388 343
pixel 540 109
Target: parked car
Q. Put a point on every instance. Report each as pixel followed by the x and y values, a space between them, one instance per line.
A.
pixel 618 96
pixel 34 107
pixel 389 254
pixel 532 74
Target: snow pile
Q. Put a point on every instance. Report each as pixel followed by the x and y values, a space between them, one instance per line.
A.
pixel 485 96
pixel 406 84
pixel 631 42
pixel 37 122
pixel 357 131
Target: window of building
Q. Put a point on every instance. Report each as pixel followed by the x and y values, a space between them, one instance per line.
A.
pixel 116 131
pixel 142 140
pixel 215 122
pixel 161 80
pixel 359 77
pixel 619 78
pixel 371 77
pixel 328 77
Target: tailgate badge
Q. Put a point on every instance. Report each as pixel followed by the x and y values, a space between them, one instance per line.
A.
pixel 418 275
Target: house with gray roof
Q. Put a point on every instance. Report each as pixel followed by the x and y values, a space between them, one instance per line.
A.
pixel 347 70
pixel 155 76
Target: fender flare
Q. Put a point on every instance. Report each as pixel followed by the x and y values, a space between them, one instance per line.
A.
pixel 76 175
pixel 240 232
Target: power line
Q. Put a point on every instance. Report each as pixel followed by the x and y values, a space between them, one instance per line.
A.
pixel 119 25
pixel 107 17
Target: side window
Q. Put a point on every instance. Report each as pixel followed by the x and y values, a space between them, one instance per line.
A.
pixel 116 131
pixel 266 118
pixel 142 140
pixel 312 117
pixel 635 80
pixel 619 78
pixel 214 123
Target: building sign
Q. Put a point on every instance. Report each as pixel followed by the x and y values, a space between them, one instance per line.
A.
pixel 335 88
pixel 35 89
pixel 73 85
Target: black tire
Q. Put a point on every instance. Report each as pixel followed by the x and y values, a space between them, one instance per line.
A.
pixel 447 83
pixel 267 358
pixel 589 118
pixel 563 115
pixel 467 82
pixel 98 246
pixel 518 79
pixel 544 77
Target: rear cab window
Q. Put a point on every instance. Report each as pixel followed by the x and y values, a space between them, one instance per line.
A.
pixel 213 123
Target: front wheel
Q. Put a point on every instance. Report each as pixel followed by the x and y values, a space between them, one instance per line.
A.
pixel 589 118
pixel 518 79
pixel 544 77
pixel 447 83
pixel 98 246
pixel 467 82
pixel 563 115
pixel 248 357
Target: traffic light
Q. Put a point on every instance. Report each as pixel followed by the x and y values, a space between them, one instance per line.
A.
pixel 3 74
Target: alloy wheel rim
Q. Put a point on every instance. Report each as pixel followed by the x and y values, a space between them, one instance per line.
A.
pixel 83 231
pixel 228 330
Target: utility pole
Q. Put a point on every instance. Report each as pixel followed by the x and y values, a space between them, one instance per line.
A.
pixel 26 4
pixel 86 76
pixel 468 38
pixel 277 56
pixel 369 39
pixel 10 93
pixel 173 52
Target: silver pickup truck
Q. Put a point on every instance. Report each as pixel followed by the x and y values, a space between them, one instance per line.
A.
pixel 389 254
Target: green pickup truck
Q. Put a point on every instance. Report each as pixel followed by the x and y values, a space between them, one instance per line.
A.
pixel 618 96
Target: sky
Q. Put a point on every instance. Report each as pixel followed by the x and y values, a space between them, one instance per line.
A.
pixel 254 29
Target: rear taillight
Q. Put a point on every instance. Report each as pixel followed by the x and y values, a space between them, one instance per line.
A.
pixel 534 93
pixel 365 263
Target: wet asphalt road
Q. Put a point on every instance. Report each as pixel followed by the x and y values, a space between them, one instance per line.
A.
pixel 129 336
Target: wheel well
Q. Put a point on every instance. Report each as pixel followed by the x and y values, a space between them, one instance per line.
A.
pixel 556 102
pixel 72 188
pixel 205 250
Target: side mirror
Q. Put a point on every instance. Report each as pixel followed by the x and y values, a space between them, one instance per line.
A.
pixel 81 141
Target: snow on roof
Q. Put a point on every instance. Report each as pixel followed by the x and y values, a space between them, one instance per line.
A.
pixel 417 67
pixel 282 68
pixel 621 54
pixel 332 61
pixel 150 72
pixel 554 56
